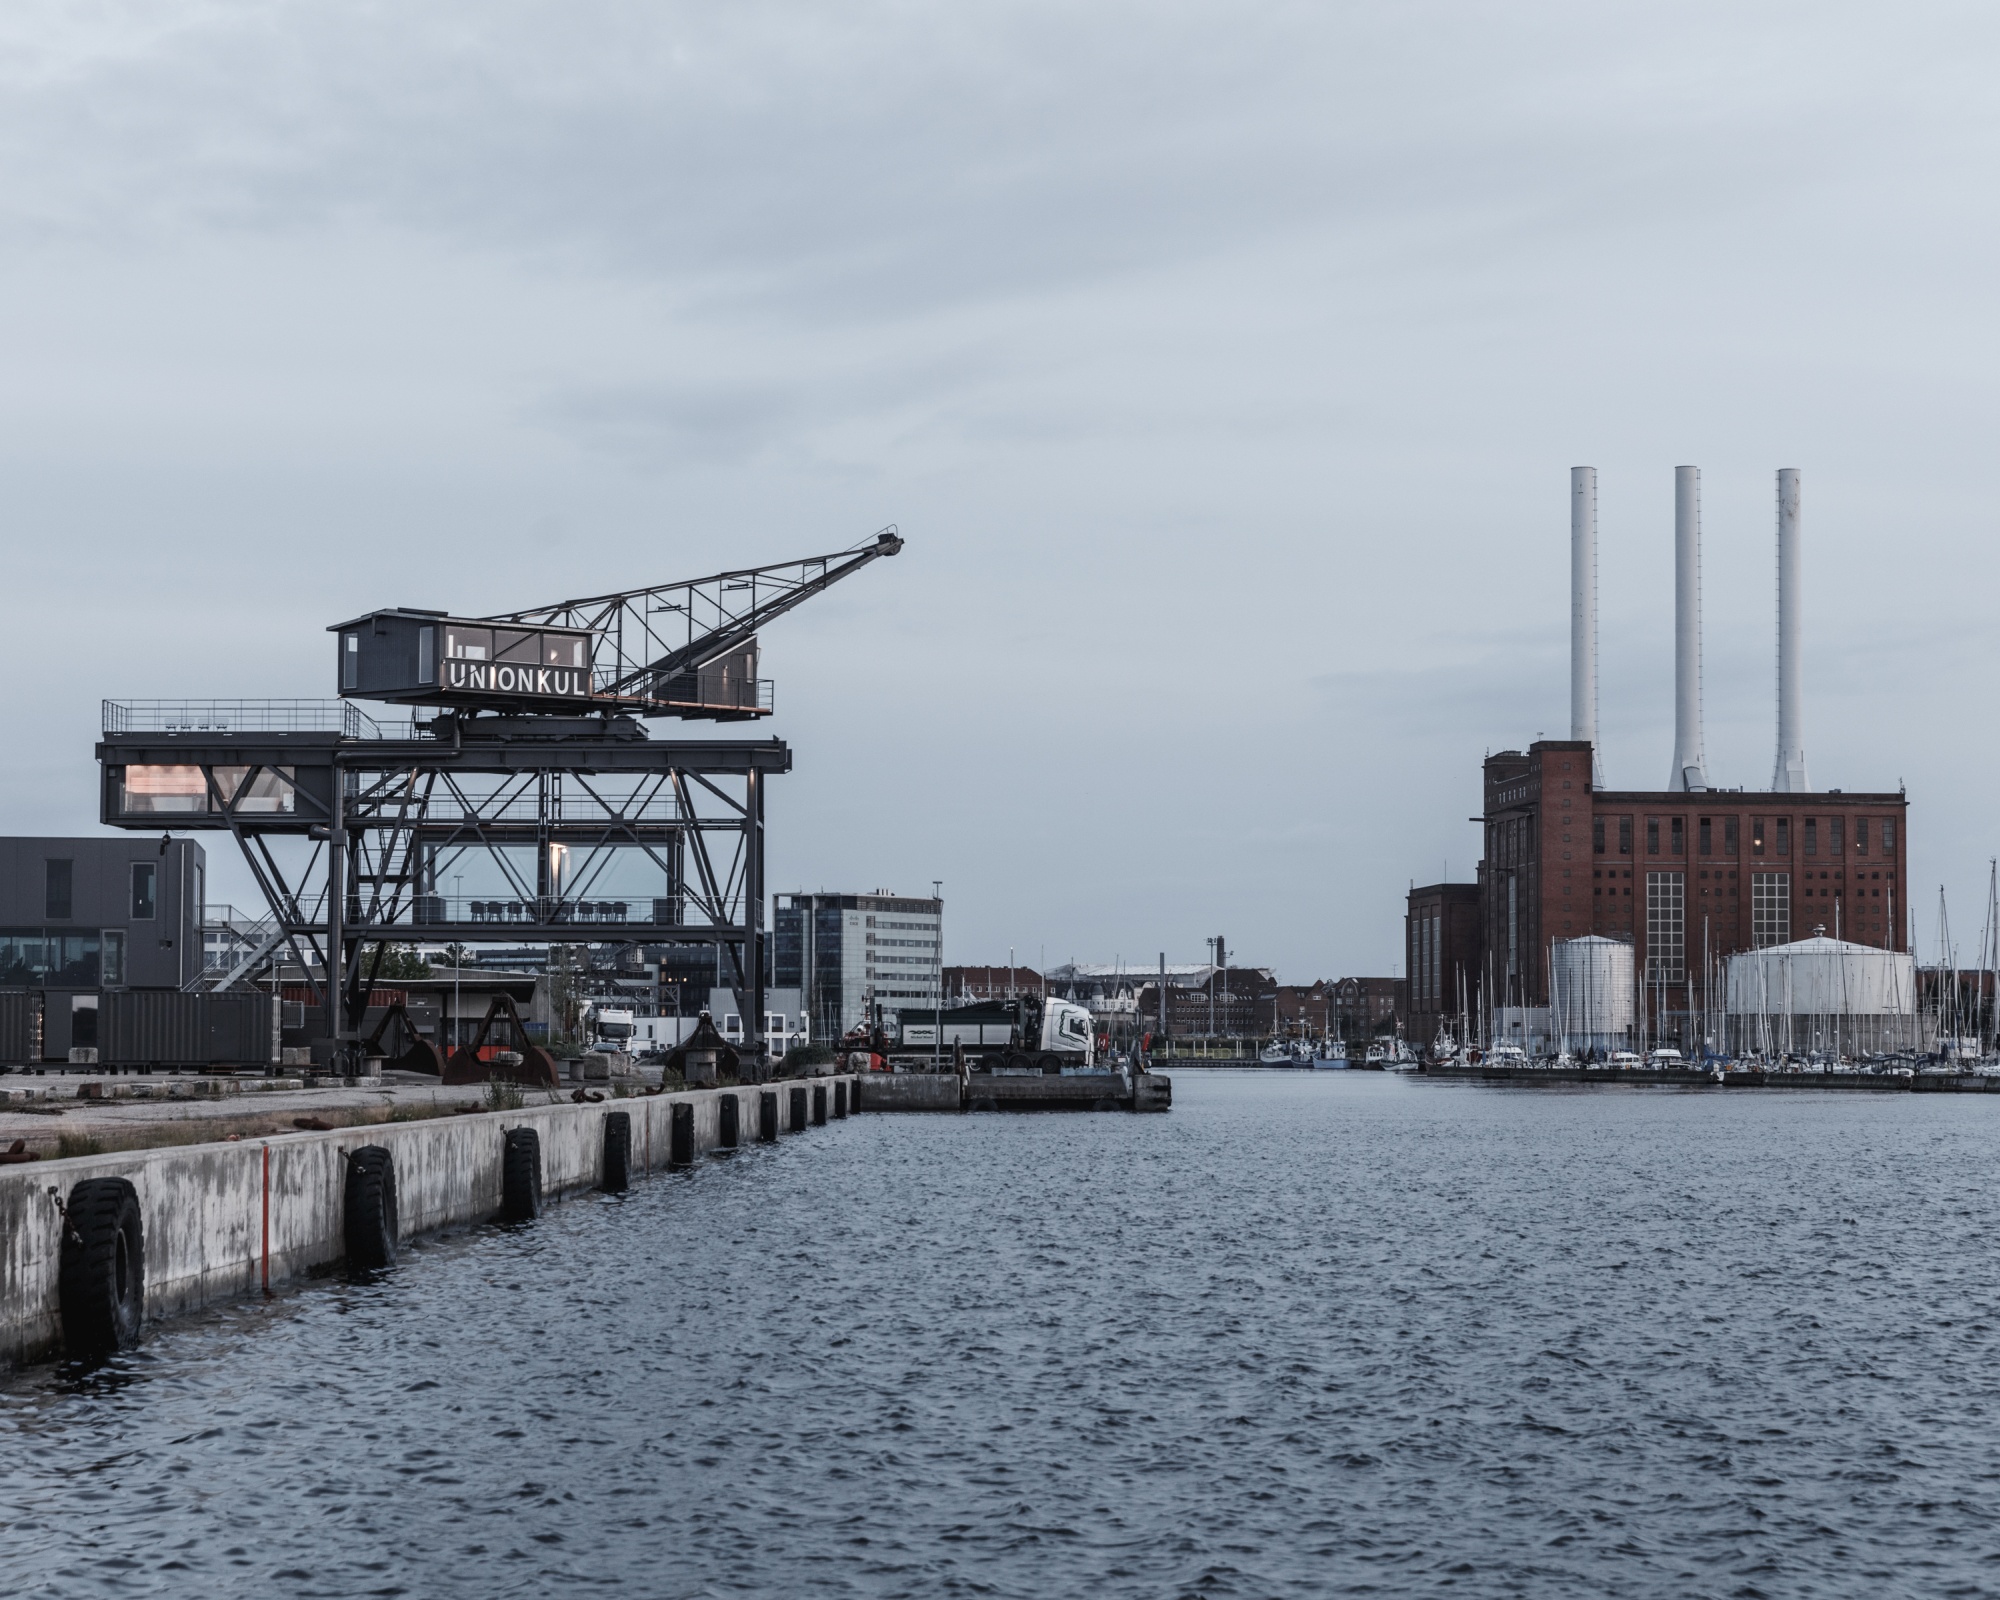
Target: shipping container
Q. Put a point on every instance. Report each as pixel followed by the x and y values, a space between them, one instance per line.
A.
pixel 20 1028
pixel 167 1028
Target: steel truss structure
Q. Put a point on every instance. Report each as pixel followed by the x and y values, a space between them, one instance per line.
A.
pixel 534 780
pixel 659 648
pixel 570 830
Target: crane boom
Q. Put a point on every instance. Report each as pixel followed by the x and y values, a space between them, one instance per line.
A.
pixel 713 626
pixel 686 649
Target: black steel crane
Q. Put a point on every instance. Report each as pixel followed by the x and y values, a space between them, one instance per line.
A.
pixel 686 649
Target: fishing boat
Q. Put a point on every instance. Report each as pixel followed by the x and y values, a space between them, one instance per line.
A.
pixel 1331 1055
pixel 1278 1053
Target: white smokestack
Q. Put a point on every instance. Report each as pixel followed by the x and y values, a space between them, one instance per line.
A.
pixel 1583 610
pixel 1790 776
pixel 1690 764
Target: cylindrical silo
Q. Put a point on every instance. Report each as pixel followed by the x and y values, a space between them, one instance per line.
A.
pixel 1591 994
pixel 1822 996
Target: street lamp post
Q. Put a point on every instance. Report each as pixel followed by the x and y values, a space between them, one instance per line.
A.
pixel 1211 991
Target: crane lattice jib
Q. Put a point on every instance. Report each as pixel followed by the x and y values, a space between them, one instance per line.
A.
pixel 656 634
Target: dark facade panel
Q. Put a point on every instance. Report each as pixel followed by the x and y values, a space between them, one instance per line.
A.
pixel 90 913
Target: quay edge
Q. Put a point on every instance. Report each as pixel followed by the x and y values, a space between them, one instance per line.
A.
pixel 228 1219
pixel 989 1091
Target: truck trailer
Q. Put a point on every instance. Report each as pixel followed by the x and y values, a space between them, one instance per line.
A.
pixel 1024 1034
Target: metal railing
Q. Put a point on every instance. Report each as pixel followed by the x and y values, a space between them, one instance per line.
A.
pixel 251 716
pixel 447 911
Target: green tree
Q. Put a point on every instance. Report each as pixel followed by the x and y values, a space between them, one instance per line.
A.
pixel 401 961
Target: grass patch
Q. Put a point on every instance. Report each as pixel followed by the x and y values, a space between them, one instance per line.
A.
pixel 504 1096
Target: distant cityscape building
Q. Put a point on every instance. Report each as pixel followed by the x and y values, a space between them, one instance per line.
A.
pixel 965 985
pixel 849 953
pixel 1364 1008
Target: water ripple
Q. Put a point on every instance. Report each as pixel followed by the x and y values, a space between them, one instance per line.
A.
pixel 1337 1335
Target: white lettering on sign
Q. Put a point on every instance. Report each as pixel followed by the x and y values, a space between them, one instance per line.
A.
pixel 486 677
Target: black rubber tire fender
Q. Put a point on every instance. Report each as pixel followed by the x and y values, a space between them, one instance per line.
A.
pixel 617 1151
pixel 521 1176
pixel 101 1281
pixel 369 1218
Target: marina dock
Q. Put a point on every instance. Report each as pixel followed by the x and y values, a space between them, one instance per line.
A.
pixel 1697 1078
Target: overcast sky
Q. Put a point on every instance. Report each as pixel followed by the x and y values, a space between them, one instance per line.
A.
pixel 1222 365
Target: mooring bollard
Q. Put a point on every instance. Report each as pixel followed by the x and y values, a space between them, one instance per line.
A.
pixel 798 1121
pixel 680 1144
pixel 617 1152
pixel 730 1109
pixel 767 1116
pixel 839 1100
pixel 819 1105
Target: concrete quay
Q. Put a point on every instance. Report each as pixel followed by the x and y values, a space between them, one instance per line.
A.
pixel 226 1219
pixel 994 1091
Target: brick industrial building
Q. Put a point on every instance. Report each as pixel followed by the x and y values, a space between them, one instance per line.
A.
pixel 1442 952
pixel 1678 874
pixel 1685 875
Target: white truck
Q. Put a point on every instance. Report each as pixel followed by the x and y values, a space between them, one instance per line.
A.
pixel 1024 1035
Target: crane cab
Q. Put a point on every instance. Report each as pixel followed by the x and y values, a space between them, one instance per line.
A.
pixel 430 658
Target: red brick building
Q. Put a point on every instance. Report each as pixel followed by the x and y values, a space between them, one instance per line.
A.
pixel 1679 875
pixel 1443 946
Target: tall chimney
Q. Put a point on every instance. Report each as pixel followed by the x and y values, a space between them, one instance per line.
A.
pixel 1790 776
pixel 1583 610
pixel 1689 762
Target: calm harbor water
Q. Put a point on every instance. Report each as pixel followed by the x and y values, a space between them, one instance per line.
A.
pixel 1306 1335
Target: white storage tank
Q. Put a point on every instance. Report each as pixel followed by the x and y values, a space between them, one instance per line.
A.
pixel 1590 993
pixel 1822 995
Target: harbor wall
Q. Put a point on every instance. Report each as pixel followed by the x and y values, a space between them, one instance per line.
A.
pixel 911 1091
pixel 227 1219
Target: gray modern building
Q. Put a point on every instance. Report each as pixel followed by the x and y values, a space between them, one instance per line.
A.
pixel 849 953
pixel 122 912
